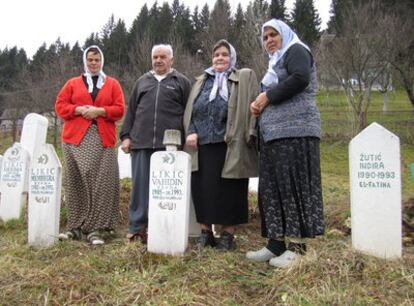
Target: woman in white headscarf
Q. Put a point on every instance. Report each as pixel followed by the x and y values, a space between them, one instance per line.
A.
pixel 90 105
pixel 220 135
pixel 290 193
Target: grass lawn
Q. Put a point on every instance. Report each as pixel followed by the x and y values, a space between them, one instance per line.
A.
pixel 123 273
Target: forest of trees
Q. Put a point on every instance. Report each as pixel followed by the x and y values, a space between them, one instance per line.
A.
pixel 32 84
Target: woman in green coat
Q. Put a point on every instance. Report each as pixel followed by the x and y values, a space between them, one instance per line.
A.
pixel 221 137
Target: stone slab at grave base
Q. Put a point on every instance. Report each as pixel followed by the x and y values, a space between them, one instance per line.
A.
pixel 375 183
pixel 13 182
pixel 45 185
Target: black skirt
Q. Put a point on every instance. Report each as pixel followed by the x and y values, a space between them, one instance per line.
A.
pixel 290 193
pixel 217 200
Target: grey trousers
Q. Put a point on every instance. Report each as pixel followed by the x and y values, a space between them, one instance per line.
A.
pixel 138 207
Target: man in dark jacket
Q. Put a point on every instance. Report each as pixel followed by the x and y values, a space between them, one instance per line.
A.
pixel 157 103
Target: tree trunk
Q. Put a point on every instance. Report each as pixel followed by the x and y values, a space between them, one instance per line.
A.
pixel 14 130
pixel 410 95
pixel 362 120
pixel 385 107
pixel 55 130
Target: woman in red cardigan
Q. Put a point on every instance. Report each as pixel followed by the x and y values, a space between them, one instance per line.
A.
pixel 90 105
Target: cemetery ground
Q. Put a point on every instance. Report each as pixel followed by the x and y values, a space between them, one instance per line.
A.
pixel 123 273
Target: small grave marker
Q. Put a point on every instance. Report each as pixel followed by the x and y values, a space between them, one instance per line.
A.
pixel 13 182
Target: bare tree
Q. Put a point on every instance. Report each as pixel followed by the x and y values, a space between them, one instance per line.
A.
pixel 139 59
pixel 355 57
pixel 398 41
pixel 251 51
pixel 385 84
pixel 189 64
pixel 37 91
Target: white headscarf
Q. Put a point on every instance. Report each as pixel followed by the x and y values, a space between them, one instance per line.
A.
pixel 289 38
pixel 89 75
pixel 220 78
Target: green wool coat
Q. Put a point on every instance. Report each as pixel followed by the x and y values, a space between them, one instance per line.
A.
pixel 241 156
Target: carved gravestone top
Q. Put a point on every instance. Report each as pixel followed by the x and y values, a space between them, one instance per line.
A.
pixel 172 139
pixel 34 132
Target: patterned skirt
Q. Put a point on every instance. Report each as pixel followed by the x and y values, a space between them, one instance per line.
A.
pixel 290 193
pixel 217 200
pixel 91 182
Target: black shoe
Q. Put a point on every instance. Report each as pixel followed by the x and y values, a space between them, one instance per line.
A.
pixel 206 239
pixel 226 242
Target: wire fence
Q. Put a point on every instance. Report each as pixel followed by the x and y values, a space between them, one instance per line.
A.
pixel 336 126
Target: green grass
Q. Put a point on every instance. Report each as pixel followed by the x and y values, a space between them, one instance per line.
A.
pixel 121 273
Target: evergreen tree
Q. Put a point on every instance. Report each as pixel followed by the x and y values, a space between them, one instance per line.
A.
pixel 258 9
pixel 76 54
pixel 176 8
pixel 39 58
pixel 115 46
pixel 152 26
pixel 138 27
pixel 184 29
pixel 204 17
pixel 108 29
pixel 197 32
pixel 337 10
pixel 219 25
pixel 163 25
pixel 277 10
pixel 251 51
pixel 12 62
pixel 92 39
pixel 306 21
pixel 201 33
pixel 236 33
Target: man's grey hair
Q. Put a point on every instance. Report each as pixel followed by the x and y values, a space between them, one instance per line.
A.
pixel 164 46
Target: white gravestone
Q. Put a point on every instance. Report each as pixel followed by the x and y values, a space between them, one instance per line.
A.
pixel 34 132
pixel 169 199
pixel 1 160
pixel 254 184
pixel 124 161
pixel 375 179
pixel 45 185
pixel 13 182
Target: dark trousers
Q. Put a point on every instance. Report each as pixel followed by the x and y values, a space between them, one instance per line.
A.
pixel 138 207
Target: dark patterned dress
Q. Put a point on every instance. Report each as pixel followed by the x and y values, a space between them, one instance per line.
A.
pixel 91 181
pixel 290 188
